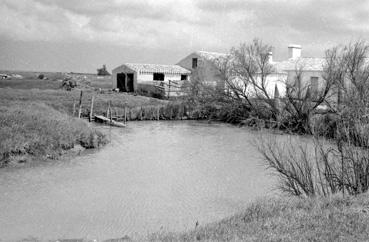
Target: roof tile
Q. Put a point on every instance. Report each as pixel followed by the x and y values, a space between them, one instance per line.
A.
pixel 151 68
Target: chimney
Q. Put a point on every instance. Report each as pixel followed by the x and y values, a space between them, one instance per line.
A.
pixel 294 51
pixel 270 57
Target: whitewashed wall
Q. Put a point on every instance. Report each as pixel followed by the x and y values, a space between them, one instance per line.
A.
pixel 206 69
pixel 272 81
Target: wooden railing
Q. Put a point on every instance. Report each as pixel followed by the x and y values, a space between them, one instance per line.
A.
pixel 171 88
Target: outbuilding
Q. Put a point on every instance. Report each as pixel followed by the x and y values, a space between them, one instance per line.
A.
pixel 127 76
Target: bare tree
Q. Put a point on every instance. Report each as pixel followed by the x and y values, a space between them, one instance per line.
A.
pixel 301 103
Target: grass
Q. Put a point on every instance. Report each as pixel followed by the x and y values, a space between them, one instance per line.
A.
pixel 312 219
pixel 63 100
pixel 53 80
pixel 35 115
pixel 36 130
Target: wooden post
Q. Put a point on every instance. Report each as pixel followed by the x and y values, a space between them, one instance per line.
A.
pixel 158 113
pixel 180 112
pixel 171 112
pixel 125 114
pixel 110 111
pixel 92 107
pixel 80 105
pixel 141 113
pixel 74 108
pixel 169 89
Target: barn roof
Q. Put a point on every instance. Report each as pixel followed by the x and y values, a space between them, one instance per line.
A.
pixel 156 68
pixel 210 55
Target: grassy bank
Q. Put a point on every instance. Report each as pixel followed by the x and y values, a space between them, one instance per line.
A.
pixel 63 100
pixel 323 219
pixel 34 130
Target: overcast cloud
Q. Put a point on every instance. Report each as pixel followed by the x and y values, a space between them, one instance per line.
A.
pixel 80 35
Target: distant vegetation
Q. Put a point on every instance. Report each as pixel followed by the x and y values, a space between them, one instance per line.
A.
pixel 103 71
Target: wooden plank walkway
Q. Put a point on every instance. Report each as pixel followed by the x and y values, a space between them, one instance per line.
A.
pixel 111 122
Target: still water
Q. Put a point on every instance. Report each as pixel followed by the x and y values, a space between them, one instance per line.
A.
pixel 153 176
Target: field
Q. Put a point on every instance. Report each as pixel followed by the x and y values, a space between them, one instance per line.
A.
pixel 52 80
pixel 36 115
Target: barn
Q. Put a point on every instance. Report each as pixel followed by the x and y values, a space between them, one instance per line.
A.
pixel 127 76
pixel 202 62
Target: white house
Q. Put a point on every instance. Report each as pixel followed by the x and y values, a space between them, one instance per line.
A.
pixel 311 69
pixel 127 76
pixel 285 72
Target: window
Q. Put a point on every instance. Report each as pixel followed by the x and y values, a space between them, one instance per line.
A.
pixel 194 63
pixel 183 77
pixel 314 84
pixel 158 76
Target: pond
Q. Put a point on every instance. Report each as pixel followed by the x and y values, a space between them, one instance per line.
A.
pixel 153 176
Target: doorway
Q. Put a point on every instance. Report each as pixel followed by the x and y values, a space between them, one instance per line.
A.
pixel 130 79
pixel 121 82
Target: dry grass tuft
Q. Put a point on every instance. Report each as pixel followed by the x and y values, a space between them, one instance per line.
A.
pixel 312 219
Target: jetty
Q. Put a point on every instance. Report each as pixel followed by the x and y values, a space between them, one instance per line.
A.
pixel 102 119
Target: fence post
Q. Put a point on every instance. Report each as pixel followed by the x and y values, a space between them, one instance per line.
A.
pixel 80 105
pixel 125 114
pixel 110 112
pixel 74 108
pixel 92 107
pixel 158 113
pixel 169 89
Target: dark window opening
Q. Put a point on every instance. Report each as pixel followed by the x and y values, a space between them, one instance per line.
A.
pixel 314 85
pixel 183 77
pixel 194 62
pixel 158 77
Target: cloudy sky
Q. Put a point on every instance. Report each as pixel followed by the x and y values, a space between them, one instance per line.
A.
pixel 81 35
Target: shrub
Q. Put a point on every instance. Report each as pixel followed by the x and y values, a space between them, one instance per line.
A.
pixel 318 167
pixel 41 76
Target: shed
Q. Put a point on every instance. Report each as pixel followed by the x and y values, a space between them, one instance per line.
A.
pixel 127 76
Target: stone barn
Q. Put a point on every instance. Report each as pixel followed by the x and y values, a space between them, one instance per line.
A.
pixel 127 76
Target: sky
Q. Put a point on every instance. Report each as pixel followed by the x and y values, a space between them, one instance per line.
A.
pixel 82 35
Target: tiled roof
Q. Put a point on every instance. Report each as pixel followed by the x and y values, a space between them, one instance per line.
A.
pixel 156 68
pixel 211 55
pixel 306 63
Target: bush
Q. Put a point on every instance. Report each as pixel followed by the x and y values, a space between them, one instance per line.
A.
pixel 150 90
pixel 324 125
pixel 311 168
pixel 41 76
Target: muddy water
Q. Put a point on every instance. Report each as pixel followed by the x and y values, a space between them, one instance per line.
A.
pixel 152 176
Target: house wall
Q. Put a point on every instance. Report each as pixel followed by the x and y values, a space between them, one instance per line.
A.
pixel 306 77
pixel 272 81
pixel 205 69
pixel 149 78
pixel 332 96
